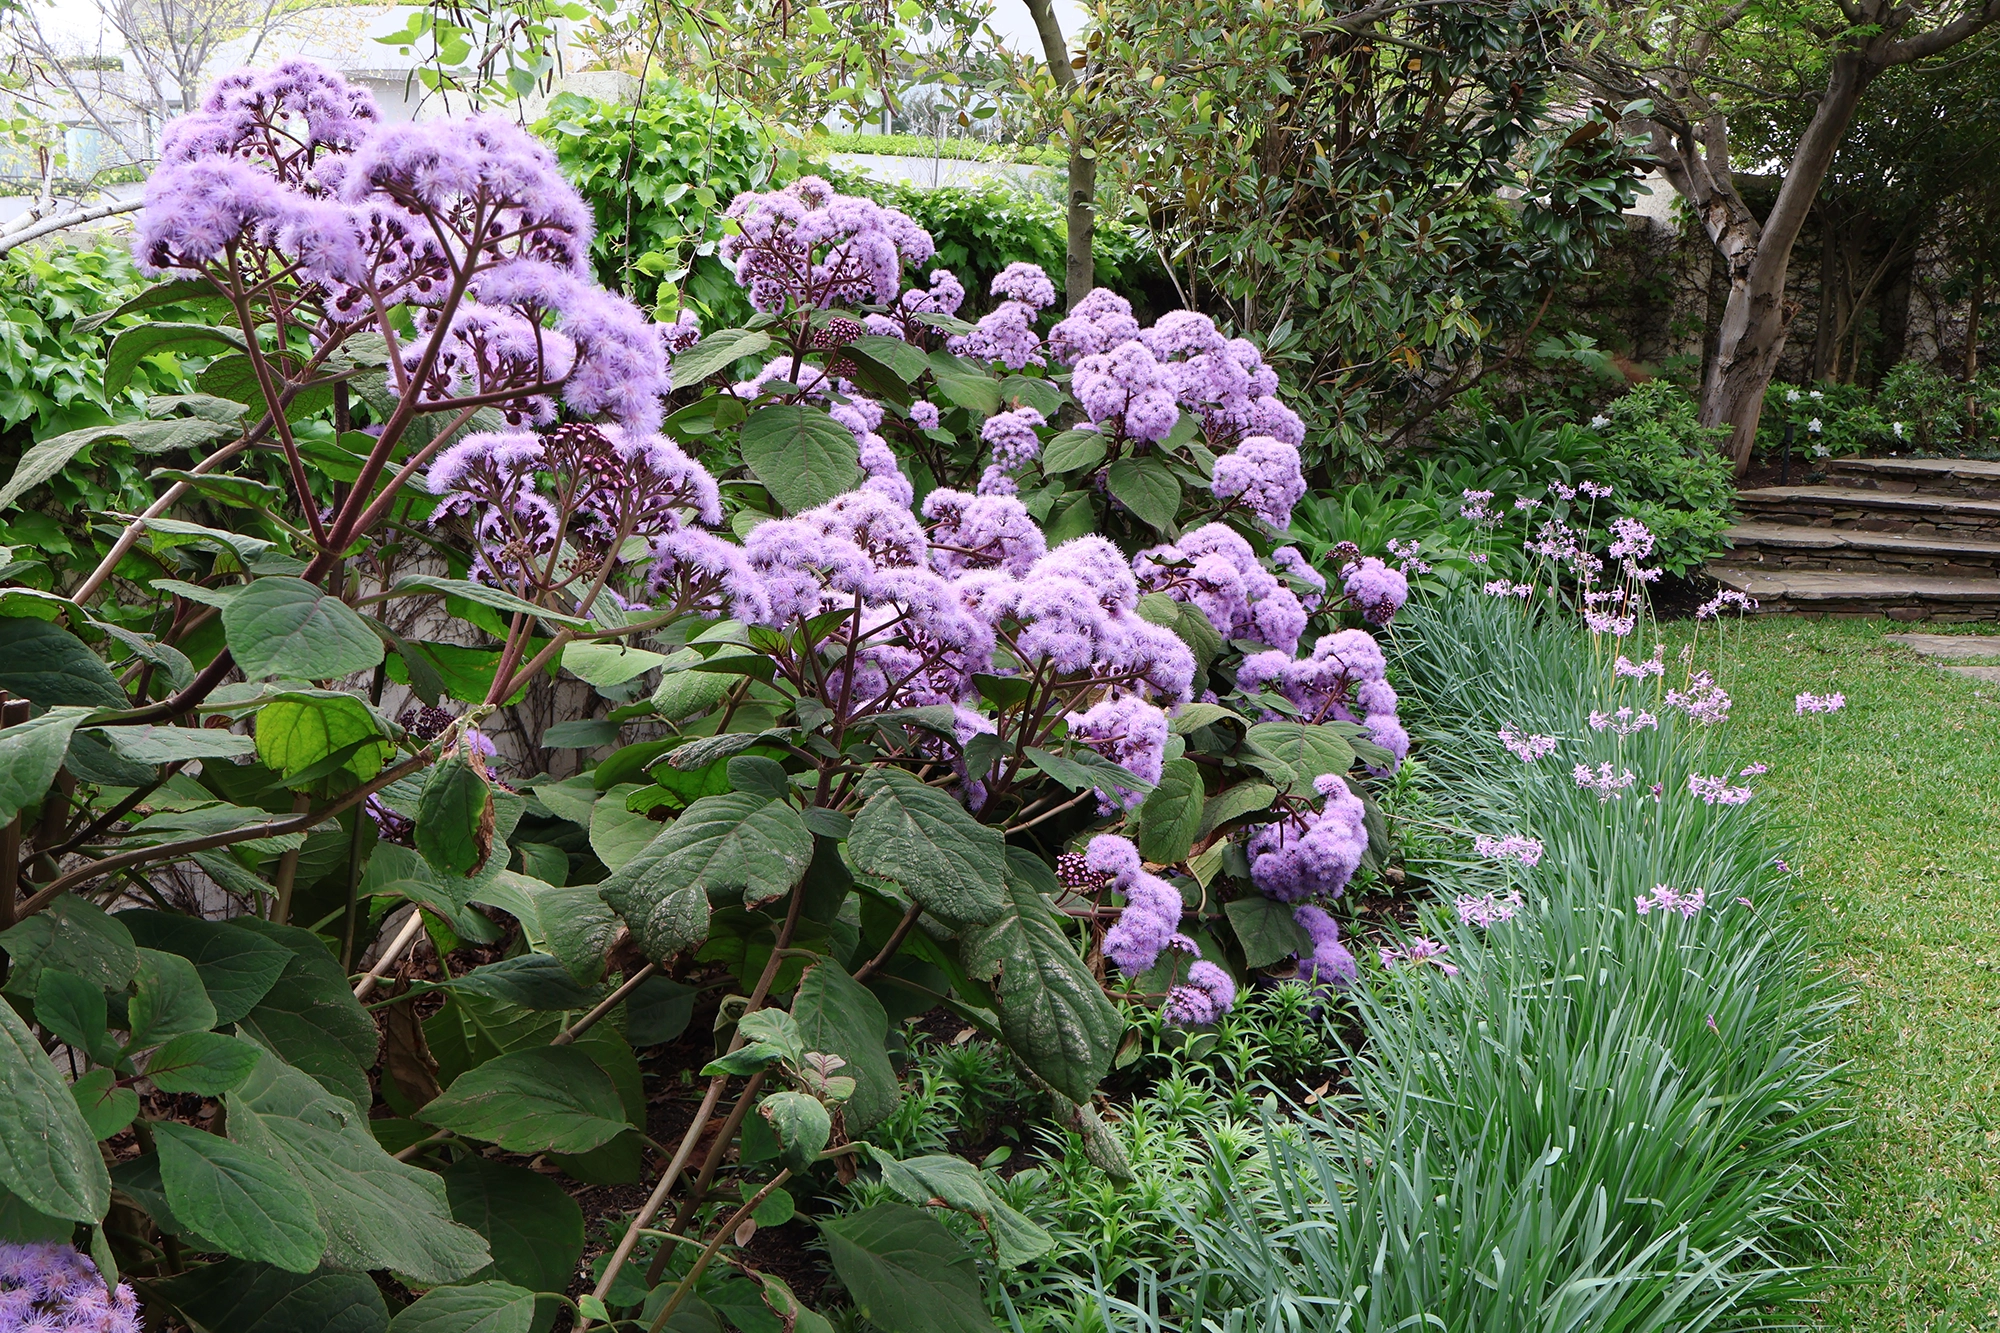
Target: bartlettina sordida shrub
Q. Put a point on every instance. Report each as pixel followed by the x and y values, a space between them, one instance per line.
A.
pixel 925 665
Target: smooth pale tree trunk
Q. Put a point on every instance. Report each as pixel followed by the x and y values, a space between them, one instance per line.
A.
pixel 1079 267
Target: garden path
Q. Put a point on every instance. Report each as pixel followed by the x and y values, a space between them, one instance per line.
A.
pixel 1892 807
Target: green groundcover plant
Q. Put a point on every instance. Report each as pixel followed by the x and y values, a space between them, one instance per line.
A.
pixel 895 607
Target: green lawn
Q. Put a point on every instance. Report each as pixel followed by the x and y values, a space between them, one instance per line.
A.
pixel 1894 815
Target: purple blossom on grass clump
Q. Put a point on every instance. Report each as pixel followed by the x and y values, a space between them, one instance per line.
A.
pixel 1513 847
pixel 1609 784
pixel 1704 701
pixel 1665 898
pixel 1819 703
pixel 1418 953
pixel 1717 791
pixel 1527 749
pixel 1487 909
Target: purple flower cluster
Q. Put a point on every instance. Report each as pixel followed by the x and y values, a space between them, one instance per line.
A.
pixel 1130 733
pixel 1011 436
pixel 1487 909
pixel 1345 678
pixel 1513 847
pixel 50 1288
pixel 1609 784
pixel 290 176
pixel 1527 749
pixel 810 248
pixel 1717 791
pixel 1152 916
pixel 1265 475
pixel 1205 996
pixel 1214 569
pixel 1375 589
pixel 1665 898
pixel 1656 665
pixel 589 487
pixel 1418 953
pixel 982 532
pixel 1330 962
pixel 1819 703
pixel 1624 722
pixel 1124 391
pixel 1703 700
pixel 1313 854
pixel 1007 332
pixel 1728 597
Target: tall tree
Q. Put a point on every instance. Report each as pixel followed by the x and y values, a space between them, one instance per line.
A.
pixel 1079 266
pixel 1698 67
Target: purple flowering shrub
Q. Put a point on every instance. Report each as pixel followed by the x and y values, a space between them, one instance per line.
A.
pixel 907 661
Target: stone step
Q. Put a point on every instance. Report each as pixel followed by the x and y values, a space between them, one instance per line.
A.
pixel 1963 477
pixel 1851 509
pixel 1897 596
pixel 1774 547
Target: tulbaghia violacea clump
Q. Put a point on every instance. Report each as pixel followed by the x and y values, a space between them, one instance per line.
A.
pixel 1344 679
pixel 1609 784
pixel 1728 597
pixel 1665 898
pixel 1529 748
pixel 1312 854
pixel 1819 703
pixel 811 248
pixel 50 1288
pixel 1655 666
pixel 1488 909
pixel 1513 847
pixel 1704 700
pixel 1213 568
pixel 1419 953
pixel 290 177
pixel 1717 791
pixel 1624 722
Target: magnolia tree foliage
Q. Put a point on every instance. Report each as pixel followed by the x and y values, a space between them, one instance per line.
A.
pixel 947 665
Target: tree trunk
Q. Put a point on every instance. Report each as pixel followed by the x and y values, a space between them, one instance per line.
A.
pixel 1079 265
pixel 1755 318
pixel 1972 322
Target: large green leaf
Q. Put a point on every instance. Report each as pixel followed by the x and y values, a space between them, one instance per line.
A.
pixel 52 667
pixel 455 817
pixel 803 456
pixel 168 999
pixel 838 1015
pixel 1052 1011
pixel 1171 814
pixel 299 729
pixel 1234 803
pixel 31 754
pixel 905 1272
pixel 238 1297
pixel 238 967
pixel 483 1307
pixel 248 1205
pixel 377 1212
pixel 908 362
pixel 166 745
pixel 48 1156
pixel 717 351
pixel 532 1226
pixel 737 840
pixel 962 1185
pixel 106 1108
pixel 1073 450
pixel 75 1010
pixel 542 1099
pixel 801 1126
pixel 288 628
pixel 1310 750
pixel 573 922
pixel 921 839
pixel 1147 488
pixel 143 340
pixel 310 1017
pixel 75 935
pixel 1266 930
pixel 205 1063
pixel 608 664
pixel 617 832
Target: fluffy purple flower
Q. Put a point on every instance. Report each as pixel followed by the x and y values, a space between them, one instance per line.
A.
pixel 1153 907
pixel 1330 962
pixel 1214 569
pixel 1005 334
pixel 1265 475
pixel 1344 679
pixel 1313 855
pixel 1096 324
pixel 813 248
pixel 1025 283
pixel 1205 996
pixel 923 415
pixel 1011 435
pixel 982 532
pixel 1375 589
pixel 51 1287
pixel 1130 733
pixel 682 334
pixel 1125 390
